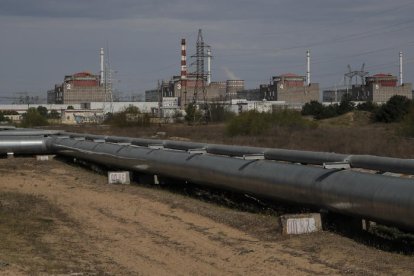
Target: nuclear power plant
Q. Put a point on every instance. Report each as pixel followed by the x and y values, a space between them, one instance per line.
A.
pixel 197 84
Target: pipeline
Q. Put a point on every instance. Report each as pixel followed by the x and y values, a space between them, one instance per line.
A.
pixel 25 145
pixel 385 199
pixel 376 163
pixel 27 132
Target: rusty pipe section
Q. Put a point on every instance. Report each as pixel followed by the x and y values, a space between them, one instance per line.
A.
pixel 380 198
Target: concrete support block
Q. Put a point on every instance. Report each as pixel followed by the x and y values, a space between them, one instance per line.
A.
pixel 295 224
pixel 367 225
pixel 258 156
pixel 119 177
pixel 44 157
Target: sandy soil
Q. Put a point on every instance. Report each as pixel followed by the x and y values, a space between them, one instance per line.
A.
pixel 101 229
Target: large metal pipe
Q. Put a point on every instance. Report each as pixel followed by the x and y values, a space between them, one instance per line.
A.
pixel 24 145
pixel 381 198
pixel 371 162
pixel 29 132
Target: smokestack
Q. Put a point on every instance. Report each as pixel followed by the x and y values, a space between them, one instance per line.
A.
pixel 401 68
pixel 208 66
pixel 101 73
pixel 183 70
pixel 308 76
pixel 183 59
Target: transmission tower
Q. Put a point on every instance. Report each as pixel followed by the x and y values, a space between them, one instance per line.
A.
pixel 200 82
pixel 355 74
pixel 108 86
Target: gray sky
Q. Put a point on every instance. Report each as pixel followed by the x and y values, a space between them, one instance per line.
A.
pixel 43 40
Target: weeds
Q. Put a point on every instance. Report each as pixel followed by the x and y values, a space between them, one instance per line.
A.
pixel 255 123
pixel 129 117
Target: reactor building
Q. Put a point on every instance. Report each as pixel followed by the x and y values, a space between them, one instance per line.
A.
pixel 378 88
pixel 82 87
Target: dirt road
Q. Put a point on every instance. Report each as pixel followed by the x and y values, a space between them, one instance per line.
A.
pixel 80 224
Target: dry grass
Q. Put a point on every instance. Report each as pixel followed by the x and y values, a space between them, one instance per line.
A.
pixel 350 134
pixel 29 226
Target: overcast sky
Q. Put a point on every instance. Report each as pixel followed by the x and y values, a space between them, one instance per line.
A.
pixel 44 40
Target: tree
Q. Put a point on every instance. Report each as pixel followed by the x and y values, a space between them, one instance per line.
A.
pixel 368 106
pixel 2 117
pixel 220 112
pixel 393 110
pixel 70 107
pixel 132 109
pixel 313 108
pixel 346 105
pixel 42 111
pixel 33 118
pixel 193 115
pixel 54 114
pixel 130 116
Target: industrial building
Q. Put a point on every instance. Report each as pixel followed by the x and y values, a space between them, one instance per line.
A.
pixel 381 87
pixel 289 88
pixel 196 86
pixel 83 87
pixel 79 88
pixel 215 91
pixel 378 88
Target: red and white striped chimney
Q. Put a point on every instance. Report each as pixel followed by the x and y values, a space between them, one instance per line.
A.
pixel 183 62
pixel 183 91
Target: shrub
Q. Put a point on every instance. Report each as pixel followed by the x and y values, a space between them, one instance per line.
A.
pixel 313 108
pixel 54 114
pixel 33 118
pixel 3 118
pixel 407 124
pixel 368 106
pixel 193 115
pixel 130 116
pixel 319 111
pixel 393 110
pixel 220 113
pixel 345 106
pixel 248 123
